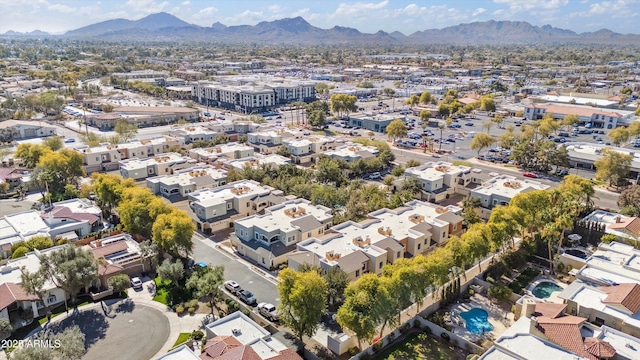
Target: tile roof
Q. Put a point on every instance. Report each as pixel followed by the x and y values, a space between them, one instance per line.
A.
pixel 549 310
pixel 631 224
pixel 11 292
pixel 627 295
pixel 565 334
pixel 219 345
pixel 109 249
pixel 242 352
pixel 599 348
pixel 66 213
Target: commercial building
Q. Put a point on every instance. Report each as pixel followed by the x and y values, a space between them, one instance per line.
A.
pixel 163 164
pixel 218 208
pixel 500 190
pixel 595 117
pixel 185 181
pixel 386 236
pixel 23 129
pixel 142 116
pixel 375 123
pixel 584 155
pixel 268 239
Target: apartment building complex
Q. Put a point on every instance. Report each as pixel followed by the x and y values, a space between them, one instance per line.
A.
pixel 252 94
pixel 386 236
pixel 440 180
pixel 221 152
pixel 307 150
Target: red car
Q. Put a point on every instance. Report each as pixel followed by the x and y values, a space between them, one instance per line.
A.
pixel 529 175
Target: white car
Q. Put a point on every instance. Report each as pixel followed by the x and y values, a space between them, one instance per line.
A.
pixel 136 283
pixel 232 286
pixel 268 310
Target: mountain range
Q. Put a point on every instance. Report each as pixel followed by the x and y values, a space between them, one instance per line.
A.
pixel 166 27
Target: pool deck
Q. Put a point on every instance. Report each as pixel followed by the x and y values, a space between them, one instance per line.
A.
pixel 554 295
pixel 499 318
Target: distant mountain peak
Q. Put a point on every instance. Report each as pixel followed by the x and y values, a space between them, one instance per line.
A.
pixel 218 26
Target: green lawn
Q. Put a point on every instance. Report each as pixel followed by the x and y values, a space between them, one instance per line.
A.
pixel 523 280
pixel 421 346
pixel 162 290
pixel 182 338
pixel 461 163
pixel 597 182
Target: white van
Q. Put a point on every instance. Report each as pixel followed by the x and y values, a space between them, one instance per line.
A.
pixel 471 134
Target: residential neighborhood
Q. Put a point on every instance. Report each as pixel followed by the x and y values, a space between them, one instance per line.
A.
pixel 330 195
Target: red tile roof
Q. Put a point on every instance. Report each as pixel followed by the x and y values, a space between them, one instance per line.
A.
pixel 62 212
pixel 11 292
pixel 219 345
pixel 243 352
pixel 549 310
pixel 599 348
pixel 627 295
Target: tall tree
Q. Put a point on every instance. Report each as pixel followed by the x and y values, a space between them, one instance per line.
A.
pixel 172 271
pixel 206 284
pixel 361 311
pixel 70 268
pixel 33 284
pixel 139 209
pixel 302 301
pixel 613 166
pixel 119 283
pixel 125 130
pixel 337 281
pixel 481 141
pixel 173 231
pixel 619 135
pixel 396 130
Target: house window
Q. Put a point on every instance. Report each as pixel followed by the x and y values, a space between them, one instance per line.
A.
pixel 381 263
pixel 455 227
pixel 599 321
pixel 309 234
pixel 357 273
pixel 419 246
pixel 398 254
pixel 263 260
pixel 257 236
pixel 228 206
pixel 247 204
pixel 51 299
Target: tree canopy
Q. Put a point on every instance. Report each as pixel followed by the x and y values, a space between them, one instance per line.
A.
pixel 396 130
pixel 70 268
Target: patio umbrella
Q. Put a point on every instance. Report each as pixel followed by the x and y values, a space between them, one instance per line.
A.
pixel 574 237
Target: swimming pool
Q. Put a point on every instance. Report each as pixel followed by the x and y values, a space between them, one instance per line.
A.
pixel 476 321
pixel 544 289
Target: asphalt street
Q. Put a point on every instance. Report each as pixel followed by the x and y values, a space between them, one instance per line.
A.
pixel 240 271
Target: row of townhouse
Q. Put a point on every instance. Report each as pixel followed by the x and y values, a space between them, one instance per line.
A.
pixel 185 181
pixel 253 96
pixel 297 232
pixel 269 141
pixel 107 157
pixel 596 117
pixel 307 150
pixel 163 164
pixel 441 180
pixel 207 131
pixel 218 208
pixel 222 152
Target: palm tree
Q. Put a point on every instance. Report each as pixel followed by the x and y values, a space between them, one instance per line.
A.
pixel 441 126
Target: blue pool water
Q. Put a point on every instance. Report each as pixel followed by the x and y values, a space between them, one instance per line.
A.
pixel 476 321
pixel 544 289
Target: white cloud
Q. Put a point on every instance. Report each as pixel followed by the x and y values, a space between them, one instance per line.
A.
pixel 358 8
pixel 525 5
pixel 186 3
pixel 145 7
pixel 61 8
pixel 275 8
pixel 613 8
pixel 479 11
pixel 205 13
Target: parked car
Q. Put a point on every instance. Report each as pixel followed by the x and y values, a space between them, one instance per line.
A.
pixel 268 310
pixel 69 140
pixel 247 297
pixel 529 175
pixel 469 124
pixel 374 176
pixel 232 286
pixel 136 283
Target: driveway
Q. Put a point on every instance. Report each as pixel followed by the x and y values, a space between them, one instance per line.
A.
pixel 130 331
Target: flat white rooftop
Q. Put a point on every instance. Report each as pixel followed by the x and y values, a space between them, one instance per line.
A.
pixel 351 151
pixel 592 152
pixel 432 171
pixel 280 216
pixel 239 189
pixel 27 223
pixel 508 186
pixel 131 145
pixel 188 176
pixel 257 160
pixel 167 158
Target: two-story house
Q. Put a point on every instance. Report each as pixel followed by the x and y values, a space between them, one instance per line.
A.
pixel 185 181
pixel 224 152
pixel 164 164
pixel 268 239
pixel 500 190
pixel 441 179
pixel 218 208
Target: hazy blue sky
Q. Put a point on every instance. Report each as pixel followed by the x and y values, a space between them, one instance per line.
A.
pixel 406 16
